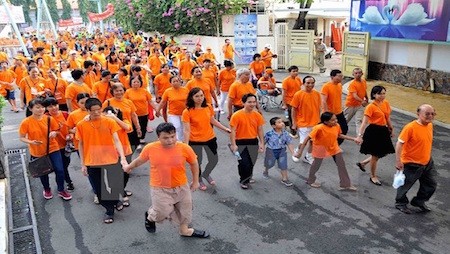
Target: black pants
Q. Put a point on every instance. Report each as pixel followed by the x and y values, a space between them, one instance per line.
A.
pixel 66 162
pixel 344 127
pixel 96 175
pixel 135 140
pixel 248 149
pixel 426 174
pixel 210 147
pixel 289 108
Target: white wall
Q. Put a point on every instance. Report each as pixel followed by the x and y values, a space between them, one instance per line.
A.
pixel 418 55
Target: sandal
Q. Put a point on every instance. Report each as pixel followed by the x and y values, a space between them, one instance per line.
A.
pixel 202 186
pixel 315 185
pixel 127 193
pixel 349 188
pixel 198 234
pixel 119 206
pixel 149 225
pixel 108 219
pixel 210 180
pixel 126 202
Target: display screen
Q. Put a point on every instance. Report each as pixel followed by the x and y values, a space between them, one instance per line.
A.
pixel 423 20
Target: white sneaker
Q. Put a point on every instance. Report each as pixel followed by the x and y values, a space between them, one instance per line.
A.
pixel 222 112
pixel 308 160
pixel 295 159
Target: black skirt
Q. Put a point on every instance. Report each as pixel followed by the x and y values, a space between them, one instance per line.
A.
pixel 377 141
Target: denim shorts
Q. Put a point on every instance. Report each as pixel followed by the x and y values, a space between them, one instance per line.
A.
pixel 278 155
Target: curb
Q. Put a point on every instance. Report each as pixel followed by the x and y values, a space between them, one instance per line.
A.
pixel 3 218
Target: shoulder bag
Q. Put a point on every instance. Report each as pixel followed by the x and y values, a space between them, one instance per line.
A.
pixel 43 165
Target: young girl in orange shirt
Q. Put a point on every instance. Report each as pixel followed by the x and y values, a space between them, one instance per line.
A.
pixel 324 139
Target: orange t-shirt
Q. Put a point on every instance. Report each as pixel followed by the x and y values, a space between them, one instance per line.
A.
pixel 358 87
pixel 228 51
pixel 123 137
pixel 176 100
pixel 167 165
pixel 238 90
pixel 75 64
pixel 378 113
pixel 6 76
pixel 126 106
pixel 35 129
pixel 154 64
pixel 205 85
pixel 74 118
pixel 199 119
pixel 417 142
pixel 102 90
pixel 258 67
pixel 20 71
pixel 63 129
pixel 113 67
pixel 31 87
pixel 185 68
pixel 246 123
pixel 99 57
pixel 266 86
pixel 125 80
pixel 226 78
pixel 162 83
pixel 290 87
pixel 211 75
pixel 141 98
pixel 90 79
pixel 267 61
pixel 73 90
pixel 60 91
pixel 209 56
pixel 334 97
pixel 307 106
pixel 98 143
pixel 325 140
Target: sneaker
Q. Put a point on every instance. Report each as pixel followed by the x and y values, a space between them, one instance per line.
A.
pixel 70 186
pixel 308 160
pixel 287 182
pixel 65 195
pixel 222 112
pixel 47 194
pixel 96 201
pixel 295 159
pixel 266 174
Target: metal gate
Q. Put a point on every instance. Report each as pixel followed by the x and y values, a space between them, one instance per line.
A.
pixel 355 52
pixel 301 49
pixel 281 45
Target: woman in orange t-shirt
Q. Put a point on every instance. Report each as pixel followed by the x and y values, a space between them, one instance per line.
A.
pixel 226 77
pixel 376 138
pixel 324 140
pixel 142 100
pixel 31 87
pixel 57 88
pixel 33 131
pixel 205 84
pixel 63 137
pixel 113 63
pixel 174 102
pixel 162 82
pixel 123 78
pixel 198 119
pixel 256 68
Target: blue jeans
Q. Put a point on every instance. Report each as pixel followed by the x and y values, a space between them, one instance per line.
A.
pixel 57 163
pixel 276 155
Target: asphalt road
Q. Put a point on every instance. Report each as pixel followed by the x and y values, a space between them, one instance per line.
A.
pixel 268 218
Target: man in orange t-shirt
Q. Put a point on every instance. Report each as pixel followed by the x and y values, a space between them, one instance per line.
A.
pixel 171 193
pixel 229 51
pixel 247 137
pixel 99 146
pixel 413 156
pixel 186 67
pixel 291 85
pixel 356 99
pixel 226 77
pixel 332 100
pixel 306 113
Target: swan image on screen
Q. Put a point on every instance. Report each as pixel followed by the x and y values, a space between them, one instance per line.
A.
pixel 402 19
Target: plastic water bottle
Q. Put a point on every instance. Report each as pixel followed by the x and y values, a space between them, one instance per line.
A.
pixel 286 113
pixel 236 154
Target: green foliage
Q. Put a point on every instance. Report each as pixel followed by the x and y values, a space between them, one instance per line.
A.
pixel 85 6
pixel 67 10
pixel 51 4
pixel 2 104
pixel 201 17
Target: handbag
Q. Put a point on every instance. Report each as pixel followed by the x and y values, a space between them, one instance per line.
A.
pixel 43 165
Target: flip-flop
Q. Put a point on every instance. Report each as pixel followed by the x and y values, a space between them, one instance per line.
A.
pixel 128 193
pixel 198 234
pixel 360 166
pixel 119 206
pixel 108 219
pixel 210 180
pixel 126 202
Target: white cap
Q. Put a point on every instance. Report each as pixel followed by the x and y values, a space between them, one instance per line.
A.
pixel 72 52
pixel 268 46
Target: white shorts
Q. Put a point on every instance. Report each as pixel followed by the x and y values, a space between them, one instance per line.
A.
pixel 303 133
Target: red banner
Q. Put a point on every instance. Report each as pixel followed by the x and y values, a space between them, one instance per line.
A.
pixel 96 17
pixel 70 22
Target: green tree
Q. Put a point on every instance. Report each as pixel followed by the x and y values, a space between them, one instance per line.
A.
pixel 67 10
pixel 51 4
pixel 300 23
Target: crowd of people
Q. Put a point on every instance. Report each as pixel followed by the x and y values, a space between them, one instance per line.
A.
pixel 95 95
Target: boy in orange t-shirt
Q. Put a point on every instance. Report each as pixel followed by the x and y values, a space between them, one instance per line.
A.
pixel 171 193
